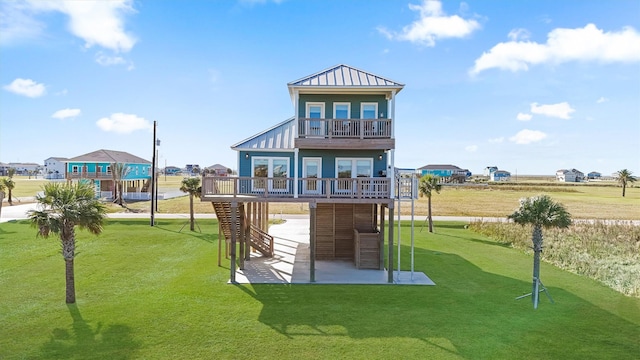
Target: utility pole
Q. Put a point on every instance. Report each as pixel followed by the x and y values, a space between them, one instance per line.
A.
pixel 153 174
pixel 157 161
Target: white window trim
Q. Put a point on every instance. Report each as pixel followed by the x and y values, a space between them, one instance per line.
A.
pixel 368 103
pixel 270 160
pixel 310 104
pixel 335 104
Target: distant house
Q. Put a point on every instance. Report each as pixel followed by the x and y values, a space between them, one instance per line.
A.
pixel 217 170
pixel 489 169
pixel 594 175
pixel 96 168
pixel 192 169
pixel 500 175
pixel 54 168
pixel 172 170
pixel 447 173
pixel 4 169
pixel 24 168
pixel 571 175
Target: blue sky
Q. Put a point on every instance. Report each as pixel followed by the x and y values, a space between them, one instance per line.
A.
pixel 528 86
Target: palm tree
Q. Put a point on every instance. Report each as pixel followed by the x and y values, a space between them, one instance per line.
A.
pixel 540 212
pixel 624 177
pixel 428 184
pixel 9 184
pixel 118 172
pixel 62 208
pixel 191 186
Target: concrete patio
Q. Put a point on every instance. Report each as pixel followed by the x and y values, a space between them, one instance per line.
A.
pixel 290 263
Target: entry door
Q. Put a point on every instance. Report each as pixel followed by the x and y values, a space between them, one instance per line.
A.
pixel 312 168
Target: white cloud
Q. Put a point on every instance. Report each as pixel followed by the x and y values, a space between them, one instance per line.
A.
pixel 471 148
pixel 123 123
pixel 107 60
pixel 563 45
pixel 524 117
pixel 26 87
pixel 497 140
pixel 519 34
pixel 527 136
pixel 561 110
pixel 433 24
pixel 601 100
pixel 66 113
pixel 96 22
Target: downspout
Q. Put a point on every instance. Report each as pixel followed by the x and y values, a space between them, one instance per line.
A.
pixel 392 166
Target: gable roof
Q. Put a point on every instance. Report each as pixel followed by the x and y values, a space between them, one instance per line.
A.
pixel 278 137
pixel 110 156
pixel 345 76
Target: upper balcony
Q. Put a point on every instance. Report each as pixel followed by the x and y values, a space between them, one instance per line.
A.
pixel 224 188
pixel 353 134
pixel 89 175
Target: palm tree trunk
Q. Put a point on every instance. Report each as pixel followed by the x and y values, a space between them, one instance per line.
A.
pixel 1 200
pixel 67 235
pixel 70 282
pixel 537 249
pixel 624 188
pixel 191 218
pixel 429 216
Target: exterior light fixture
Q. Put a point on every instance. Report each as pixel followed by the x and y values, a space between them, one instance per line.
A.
pixel 379 157
pixel 246 156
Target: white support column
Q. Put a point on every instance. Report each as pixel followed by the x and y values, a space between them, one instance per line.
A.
pixel 296 106
pixel 295 172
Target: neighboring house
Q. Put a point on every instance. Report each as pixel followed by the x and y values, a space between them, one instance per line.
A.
pixel 489 169
pixel 25 168
pixel 500 175
pixel 594 175
pixel 4 169
pixel 572 175
pixel 217 170
pixel 335 154
pixel 192 169
pixel 172 170
pixel 54 168
pixel 446 173
pixel 96 167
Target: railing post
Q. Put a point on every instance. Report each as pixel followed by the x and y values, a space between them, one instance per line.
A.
pixel 362 129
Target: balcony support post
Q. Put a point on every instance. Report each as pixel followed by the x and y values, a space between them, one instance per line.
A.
pixel 295 173
pixel 312 241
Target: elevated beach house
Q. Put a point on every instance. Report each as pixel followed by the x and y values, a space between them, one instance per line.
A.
pixel 336 153
pixel 97 167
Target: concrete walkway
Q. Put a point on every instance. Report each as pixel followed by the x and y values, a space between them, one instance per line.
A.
pixel 290 263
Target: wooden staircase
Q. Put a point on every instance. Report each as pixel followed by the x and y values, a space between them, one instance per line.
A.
pixel 258 239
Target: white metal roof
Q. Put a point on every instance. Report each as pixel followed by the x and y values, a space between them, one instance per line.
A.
pixel 345 76
pixel 277 138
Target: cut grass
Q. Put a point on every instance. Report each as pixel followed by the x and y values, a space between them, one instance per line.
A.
pixel 154 293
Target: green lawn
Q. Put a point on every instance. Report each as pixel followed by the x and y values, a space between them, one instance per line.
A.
pixel 154 293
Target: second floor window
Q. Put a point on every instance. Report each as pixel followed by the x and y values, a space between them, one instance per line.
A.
pixel 341 110
pixel 315 111
pixel 369 111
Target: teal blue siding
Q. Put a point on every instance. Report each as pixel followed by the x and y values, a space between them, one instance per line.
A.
pixel 440 173
pixel 328 160
pixel 355 101
pixel 137 172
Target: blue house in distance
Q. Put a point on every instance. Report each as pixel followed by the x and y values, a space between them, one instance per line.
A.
pixel 447 173
pixel 95 167
pixel 335 154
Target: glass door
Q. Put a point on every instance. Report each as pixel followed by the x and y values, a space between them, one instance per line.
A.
pixel 312 169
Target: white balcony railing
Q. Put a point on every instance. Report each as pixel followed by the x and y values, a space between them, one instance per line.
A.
pixel 344 128
pixel 351 188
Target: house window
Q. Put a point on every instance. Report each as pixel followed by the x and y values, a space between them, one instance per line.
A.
pixel 369 111
pixel 276 168
pixel 74 169
pixel 352 168
pixel 315 111
pixel 341 110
